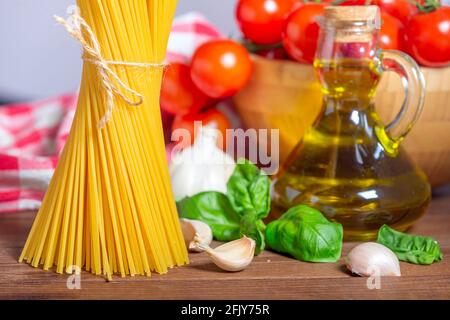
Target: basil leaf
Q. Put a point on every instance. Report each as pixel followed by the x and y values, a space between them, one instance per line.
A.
pixel 253 227
pixel 215 210
pixel 249 190
pixel 306 234
pixel 303 212
pixel 410 248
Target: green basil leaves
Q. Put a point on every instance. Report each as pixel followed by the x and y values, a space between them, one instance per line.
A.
pixel 239 212
pixel 305 234
pixel 410 248
pixel 249 190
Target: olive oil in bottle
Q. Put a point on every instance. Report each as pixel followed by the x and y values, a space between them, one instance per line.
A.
pixel 348 165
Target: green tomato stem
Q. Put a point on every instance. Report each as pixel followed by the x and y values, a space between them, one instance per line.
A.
pixel 254 48
pixel 428 6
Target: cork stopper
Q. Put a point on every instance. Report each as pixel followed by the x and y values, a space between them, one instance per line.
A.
pixel 353 23
pixel 370 14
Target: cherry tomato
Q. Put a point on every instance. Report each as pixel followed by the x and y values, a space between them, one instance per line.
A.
pixel 221 68
pixel 301 32
pixel 262 21
pixel 179 95
pixel 403 10
pixel 211 116
pixel 391 33
pixel 427 38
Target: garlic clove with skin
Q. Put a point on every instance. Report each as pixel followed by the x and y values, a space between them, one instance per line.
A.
pixel 372 258
pixel 196 233
pixel 232 256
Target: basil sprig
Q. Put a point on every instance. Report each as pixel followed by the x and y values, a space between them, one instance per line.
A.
pixel 239 212
pixel 304 233
pixel 410 248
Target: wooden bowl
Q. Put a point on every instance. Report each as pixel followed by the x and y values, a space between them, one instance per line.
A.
pixel 285 95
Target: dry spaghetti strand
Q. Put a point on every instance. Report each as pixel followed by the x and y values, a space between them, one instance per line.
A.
pixel 109 207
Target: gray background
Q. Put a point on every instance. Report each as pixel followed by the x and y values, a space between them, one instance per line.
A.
pixel 38 59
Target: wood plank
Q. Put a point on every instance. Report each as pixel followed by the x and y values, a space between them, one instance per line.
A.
pixel 270 276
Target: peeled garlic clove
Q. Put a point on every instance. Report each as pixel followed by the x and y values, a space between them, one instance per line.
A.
pixel 372 258
pixel 233 256
pixel 196 234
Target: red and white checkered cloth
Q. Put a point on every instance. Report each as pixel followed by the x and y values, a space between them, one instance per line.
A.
pixel 32 135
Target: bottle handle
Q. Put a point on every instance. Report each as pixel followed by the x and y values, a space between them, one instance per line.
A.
pixel 413 82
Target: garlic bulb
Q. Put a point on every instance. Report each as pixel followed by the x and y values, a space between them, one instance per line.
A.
pixel 201 167
pixel 232 256
pixel 371 258
pixel 196 233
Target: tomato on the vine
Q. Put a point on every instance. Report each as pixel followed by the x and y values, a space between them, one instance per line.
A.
pixel 262 21
pixel 403 10
pixel 212 117
pixel 179 95
pixel 301 32
pixel 427 38
pixel 220 68
pixel 391 33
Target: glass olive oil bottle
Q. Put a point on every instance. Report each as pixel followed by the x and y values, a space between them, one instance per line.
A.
pixel 349 165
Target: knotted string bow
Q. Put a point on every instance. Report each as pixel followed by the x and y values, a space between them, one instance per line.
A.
pixel 93 54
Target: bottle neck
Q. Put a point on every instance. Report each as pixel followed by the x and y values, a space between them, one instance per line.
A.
pixel 348 83
pixel 347 64
pixel 345 105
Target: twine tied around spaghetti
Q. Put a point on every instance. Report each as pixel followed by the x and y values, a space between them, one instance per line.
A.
pixel 93 54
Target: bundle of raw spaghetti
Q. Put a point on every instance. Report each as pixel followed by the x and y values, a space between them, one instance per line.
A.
pixel 109 207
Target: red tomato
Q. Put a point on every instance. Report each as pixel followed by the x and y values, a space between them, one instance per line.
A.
pixel 262 21
pixel 391 33
pixel 427 38
pixel 301 32
pixel 221 68
pixel 179 95
pixel 212 116
pixel 403 10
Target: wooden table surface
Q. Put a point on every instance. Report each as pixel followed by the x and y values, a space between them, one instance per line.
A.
pixel 270 276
